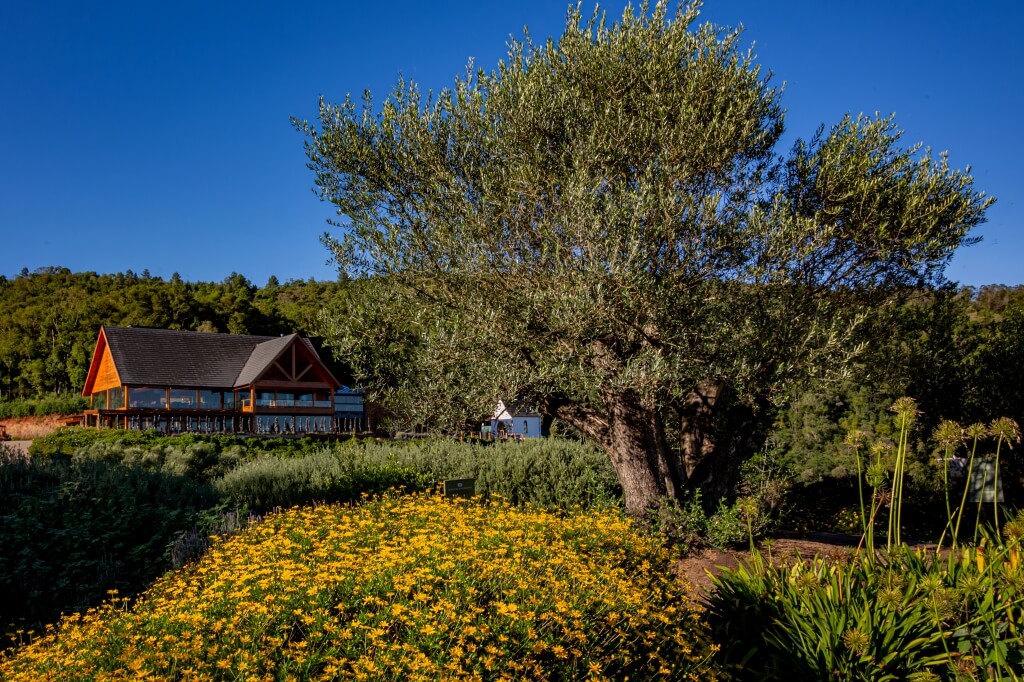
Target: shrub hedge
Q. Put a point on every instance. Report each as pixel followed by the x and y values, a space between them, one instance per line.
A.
pixel 71 530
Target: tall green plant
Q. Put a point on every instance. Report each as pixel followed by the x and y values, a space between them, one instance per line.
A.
pixel 974 433
pixel 877 478
pixel 948 434
pixel 906 412
pixel 1004 430
pixel 855 439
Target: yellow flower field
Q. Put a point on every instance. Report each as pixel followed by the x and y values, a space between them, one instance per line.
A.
pixel 403 588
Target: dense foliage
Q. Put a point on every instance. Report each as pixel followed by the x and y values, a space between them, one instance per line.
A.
pixel 131 443
pixel 959 353
pixel 29 407
pixel 72 529
pixel 412 588
pixel 544 473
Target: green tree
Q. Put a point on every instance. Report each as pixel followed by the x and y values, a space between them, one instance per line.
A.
pixel 602 225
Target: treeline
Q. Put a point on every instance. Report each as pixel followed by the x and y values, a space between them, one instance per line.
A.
pixel 49 318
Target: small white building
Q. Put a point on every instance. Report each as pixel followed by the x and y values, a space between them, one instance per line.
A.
pixel 516 420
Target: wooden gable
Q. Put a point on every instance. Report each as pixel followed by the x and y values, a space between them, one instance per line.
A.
pixel 296 366
pixel 103 373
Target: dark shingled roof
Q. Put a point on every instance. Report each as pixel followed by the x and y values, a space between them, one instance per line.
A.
pixel 164 357
pixel 262 355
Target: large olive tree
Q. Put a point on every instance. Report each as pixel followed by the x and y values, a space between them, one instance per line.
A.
pixel 602 226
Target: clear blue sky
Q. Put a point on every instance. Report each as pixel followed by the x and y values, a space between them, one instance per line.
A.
pixel 148 135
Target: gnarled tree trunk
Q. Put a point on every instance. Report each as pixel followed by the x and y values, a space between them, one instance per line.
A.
pixel 648 469
pixel 633 436
pixel 695 424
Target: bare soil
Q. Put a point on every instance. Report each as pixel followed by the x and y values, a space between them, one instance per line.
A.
pixel 27 428
pixel 698 568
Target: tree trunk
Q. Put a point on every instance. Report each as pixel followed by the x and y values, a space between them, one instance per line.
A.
pixel 696 444
pixel 716 437
pixel 633 436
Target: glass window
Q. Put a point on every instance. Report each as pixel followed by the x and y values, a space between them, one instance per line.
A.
pixel 147 398
pixel 115 398
pixel 229 399
pixel 209 400
pixel 265 398
pixel 184 399
pixel 99 400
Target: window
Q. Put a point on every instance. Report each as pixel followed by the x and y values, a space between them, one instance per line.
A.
pixel 209 400
pixel 115 398
pixel 184 399
pixel 147 398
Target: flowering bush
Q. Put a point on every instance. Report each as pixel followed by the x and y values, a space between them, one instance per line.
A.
pixel 414 587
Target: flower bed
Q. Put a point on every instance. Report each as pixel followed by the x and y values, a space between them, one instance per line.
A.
pixel 414 587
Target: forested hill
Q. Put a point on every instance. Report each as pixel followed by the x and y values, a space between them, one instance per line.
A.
pixel 49 318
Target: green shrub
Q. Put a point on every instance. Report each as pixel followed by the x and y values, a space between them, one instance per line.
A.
pixel 71 530
pixel 200 461
pixel 877 617
pixel 727 527
pixel 544 472
pixel 548 473
pixel 38 407
pixel 683 525
pixel 68 440
pixel 686 526
pixel 328 476
pixel 71 440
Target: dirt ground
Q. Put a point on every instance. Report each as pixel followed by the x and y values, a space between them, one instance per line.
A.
pixel 698 568
pixel 27 428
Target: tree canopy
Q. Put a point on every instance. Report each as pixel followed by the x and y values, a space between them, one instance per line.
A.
pixel 603 225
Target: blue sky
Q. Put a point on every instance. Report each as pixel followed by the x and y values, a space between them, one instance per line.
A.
pixel 139 135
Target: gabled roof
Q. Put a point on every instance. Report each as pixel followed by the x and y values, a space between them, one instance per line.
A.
pixel 261 357
pixel 513 408
pixel 164 357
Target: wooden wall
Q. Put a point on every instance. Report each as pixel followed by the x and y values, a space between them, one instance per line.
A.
pixel 106 374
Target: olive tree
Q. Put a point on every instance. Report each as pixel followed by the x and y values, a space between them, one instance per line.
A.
pixel 603 226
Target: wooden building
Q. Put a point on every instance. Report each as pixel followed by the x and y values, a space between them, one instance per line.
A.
pixel 175 381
